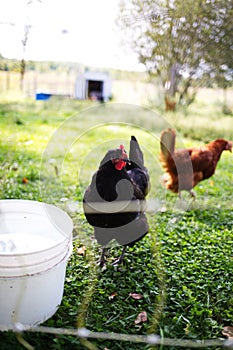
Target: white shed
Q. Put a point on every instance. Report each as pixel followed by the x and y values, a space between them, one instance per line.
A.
pixel 93 85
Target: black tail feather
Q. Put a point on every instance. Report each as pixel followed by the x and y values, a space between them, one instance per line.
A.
pixel 135 153
pixel 136 169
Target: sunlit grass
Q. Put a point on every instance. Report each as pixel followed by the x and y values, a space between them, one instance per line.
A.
pixel 57 146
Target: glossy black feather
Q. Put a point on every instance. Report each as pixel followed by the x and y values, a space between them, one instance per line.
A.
pixel 126 188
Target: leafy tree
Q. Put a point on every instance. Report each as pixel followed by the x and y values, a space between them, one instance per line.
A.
pixel 182 42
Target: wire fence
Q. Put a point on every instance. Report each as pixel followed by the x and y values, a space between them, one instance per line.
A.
pixel 152 339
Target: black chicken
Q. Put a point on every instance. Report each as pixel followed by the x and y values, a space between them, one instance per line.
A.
pixel 114 202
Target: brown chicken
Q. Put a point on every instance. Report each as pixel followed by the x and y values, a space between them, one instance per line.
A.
pixel 185 168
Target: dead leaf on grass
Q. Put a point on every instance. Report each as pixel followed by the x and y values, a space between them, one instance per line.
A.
pixel 141 317
pixel 81 250
pixel 24 180
pixel 112 296
pixel 228 332
pixel 136 296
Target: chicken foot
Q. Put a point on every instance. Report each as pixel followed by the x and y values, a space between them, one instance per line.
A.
pixel 121 258
pixel 102 260
pixel 191 192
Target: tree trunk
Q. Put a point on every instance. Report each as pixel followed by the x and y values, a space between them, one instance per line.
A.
pixel 22 72
pixel 173 80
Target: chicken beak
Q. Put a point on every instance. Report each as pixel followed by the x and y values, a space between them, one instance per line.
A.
pixel 127 160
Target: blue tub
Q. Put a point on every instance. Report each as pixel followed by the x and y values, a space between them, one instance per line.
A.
pixel 42 96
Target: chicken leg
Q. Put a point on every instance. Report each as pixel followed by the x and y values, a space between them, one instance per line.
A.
pixel 102 260
pixel 121 258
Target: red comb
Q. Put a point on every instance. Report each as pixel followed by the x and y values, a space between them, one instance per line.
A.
pixel 122 148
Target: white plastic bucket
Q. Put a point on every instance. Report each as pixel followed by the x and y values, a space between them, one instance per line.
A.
pixel 35 244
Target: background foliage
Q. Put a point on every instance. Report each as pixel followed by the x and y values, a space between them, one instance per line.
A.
pixel 185 44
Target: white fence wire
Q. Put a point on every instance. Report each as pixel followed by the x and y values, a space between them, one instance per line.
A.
pixel 151 339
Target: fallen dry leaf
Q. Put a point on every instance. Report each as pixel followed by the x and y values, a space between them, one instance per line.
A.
pixel 81 250
pixel 112 296
pixel 136 296
pixel 228 332
pixel 142 317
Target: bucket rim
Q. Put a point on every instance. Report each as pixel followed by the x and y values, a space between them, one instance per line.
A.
pixel 63 258
pixel 36 252
pixel 36 203
pixel 66 234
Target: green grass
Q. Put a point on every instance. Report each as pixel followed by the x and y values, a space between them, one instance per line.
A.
pixel 204 120
pixel 183 267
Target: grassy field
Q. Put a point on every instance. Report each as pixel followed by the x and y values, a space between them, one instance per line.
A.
pixel 182 269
